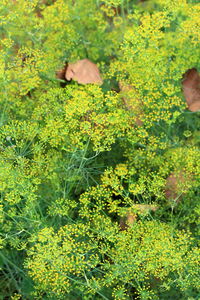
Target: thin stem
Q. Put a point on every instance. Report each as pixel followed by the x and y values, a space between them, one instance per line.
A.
pixel 12 264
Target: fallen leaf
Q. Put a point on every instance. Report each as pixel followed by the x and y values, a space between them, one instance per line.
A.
pixel 144 208
pixel 127 221
pixel 191 89
pixel 83 71
pixel 171 191
pixel 174 185
pixel 131 217
pixel 60 74
pixel 195 106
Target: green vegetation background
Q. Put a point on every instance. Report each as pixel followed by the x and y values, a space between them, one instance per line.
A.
pixel 74 162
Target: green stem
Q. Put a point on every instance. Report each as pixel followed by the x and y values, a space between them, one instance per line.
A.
pixel 11 263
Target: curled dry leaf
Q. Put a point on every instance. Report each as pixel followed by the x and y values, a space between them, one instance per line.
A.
pixel 191 89
pixel 195 106
pixel 127 221
pixel 83 71
pixel 144 208
pixel 60 74
pixel 131 217
pixel 131 101
pixel 174 182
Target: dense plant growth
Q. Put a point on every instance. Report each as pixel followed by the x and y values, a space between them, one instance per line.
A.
pixel 100 183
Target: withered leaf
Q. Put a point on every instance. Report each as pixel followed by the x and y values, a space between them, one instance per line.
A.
pixel 191 89
pixel 131 217
pixel 171 188
pixel 195 106
pixel 143 208
pixel 174 184
pixel 127 221
pixel 60 74
pixel 84 72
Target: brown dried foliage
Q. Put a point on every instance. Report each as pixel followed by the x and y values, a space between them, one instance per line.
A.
pixel 173 185
pixel 84 72
pixel 191 89
pixel 131 217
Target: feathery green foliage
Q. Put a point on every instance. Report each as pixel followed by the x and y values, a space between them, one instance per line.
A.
pixel 84 169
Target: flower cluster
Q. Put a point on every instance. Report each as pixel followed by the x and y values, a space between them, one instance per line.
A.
pixel 99 184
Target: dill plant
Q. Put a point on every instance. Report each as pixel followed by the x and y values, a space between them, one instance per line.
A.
pixel 76 161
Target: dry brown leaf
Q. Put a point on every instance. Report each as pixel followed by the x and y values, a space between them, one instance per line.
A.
pixel 83 71
pixel 131 101
pixel 60 74
pixel 127 221
pixel 131 217
pixel 173 184
pixel 195 106
pixel 191 89
pixel 143 208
